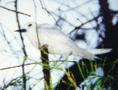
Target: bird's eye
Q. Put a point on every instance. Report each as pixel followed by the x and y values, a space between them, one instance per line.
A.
pixel 29 25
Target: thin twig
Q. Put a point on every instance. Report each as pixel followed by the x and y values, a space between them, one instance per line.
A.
pixel 52 14
pixel 84 23
pixel 23 46
pixel 87 22
pixel 75 7
pixel 36 28
pixel 6 39
pixel 43 6
pixel 14 11
pixel 16 66
pixel 56 61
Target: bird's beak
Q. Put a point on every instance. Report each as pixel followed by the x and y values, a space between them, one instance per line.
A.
pixel 17 31
pixel 21 30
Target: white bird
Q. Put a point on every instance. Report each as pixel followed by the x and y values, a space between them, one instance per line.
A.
pixel 57 41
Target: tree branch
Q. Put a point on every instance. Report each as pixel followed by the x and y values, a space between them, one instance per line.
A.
pixel 23 46
pixel 46 67
pixel 14 11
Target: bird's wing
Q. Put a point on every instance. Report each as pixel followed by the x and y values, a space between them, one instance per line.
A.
pixel 59 43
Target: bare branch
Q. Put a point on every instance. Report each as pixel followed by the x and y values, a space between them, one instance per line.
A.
pixel 82 24
pixel 23 46
pixel 14 11
pixel 16 66
pixel 5 68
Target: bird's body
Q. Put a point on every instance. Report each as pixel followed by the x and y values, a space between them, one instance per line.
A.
pixel 58 42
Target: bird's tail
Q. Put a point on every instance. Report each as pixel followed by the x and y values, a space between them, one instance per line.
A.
pixel 99 51
pixel 91 54
pixel 95 52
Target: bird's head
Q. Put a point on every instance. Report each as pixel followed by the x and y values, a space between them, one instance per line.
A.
pixel 26 27
pixel 32 26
